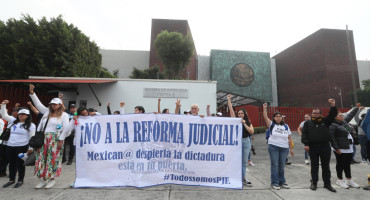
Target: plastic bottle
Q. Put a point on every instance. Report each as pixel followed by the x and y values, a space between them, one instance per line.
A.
pixel 23 156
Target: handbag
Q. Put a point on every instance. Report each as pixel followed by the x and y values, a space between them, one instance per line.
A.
pixel 37 140
pixel 6 134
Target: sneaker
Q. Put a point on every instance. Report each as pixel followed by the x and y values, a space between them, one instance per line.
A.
pixel 284 185
pixel 69 162
pixel 50 184
pixel 276 187
pixel 41 185
pixel 352 184
pixel 306 162
pixel 364 162
pixel 247 183
pixel 288 163
pixel 342 184
pixel 250 163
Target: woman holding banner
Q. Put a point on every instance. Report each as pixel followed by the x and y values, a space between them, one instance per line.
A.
pixel 247 131
pixel 279 144
pixel 48 158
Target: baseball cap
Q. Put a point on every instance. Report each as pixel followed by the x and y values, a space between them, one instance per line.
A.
pixel 72 106
pixel 24 111
pixel 56 101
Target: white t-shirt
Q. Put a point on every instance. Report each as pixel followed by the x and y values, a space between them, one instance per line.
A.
pixel 302 124
pixel 279 136
pixel 19 136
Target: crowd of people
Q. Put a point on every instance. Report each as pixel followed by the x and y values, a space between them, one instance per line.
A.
pixel 320 135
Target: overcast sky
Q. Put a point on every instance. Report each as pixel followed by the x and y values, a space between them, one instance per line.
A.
pixel 246 25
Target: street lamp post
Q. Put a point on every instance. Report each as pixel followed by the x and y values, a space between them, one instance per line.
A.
pixel 340 94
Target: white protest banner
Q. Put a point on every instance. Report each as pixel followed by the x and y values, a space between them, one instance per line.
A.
pixel 150 149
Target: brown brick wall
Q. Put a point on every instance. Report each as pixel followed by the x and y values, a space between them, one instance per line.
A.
pixel 308 71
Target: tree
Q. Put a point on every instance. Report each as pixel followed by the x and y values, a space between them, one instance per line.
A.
pixel 175 51
pixel 47 48
pixel 151 73
pixel 366 84
pixel 363 96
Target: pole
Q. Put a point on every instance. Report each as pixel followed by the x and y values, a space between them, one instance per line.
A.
pixel 340 94
pixel 351 66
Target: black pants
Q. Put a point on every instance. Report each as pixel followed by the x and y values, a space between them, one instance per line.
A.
pixel 3 159
pixel 323 153
pixel 343 164
pixel 15 163
pixel 69 141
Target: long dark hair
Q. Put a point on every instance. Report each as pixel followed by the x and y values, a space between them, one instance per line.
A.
pixel 273 118
pixel 27 123
pixel 246 117
pixel 80 109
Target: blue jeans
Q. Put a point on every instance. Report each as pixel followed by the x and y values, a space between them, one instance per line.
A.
pixel 278 157
pixel 354 152
pixel 306 155
pixel 363 141
pixel 245 152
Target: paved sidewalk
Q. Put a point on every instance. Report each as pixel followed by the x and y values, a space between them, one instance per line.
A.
pixel 297 176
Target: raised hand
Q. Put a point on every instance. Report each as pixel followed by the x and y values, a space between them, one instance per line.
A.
pixel 265 105
pixel 17 105
pixel 121 104
pixel 358 105
pixel 5 102
pixel 108 104
pixel 229 96
pixel 178 103
pixel 60 96
pixel 332 102
pixel 32 87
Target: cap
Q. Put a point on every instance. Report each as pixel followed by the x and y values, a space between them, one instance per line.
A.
pixel 24 111
pixel 56 101
pixel 72 106
pixel 186 111
pixel 219 114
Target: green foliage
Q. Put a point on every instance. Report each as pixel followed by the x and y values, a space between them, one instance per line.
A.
pixel 116 72
pixel 366 84
pixel 363 97
pixel 47 48
pixel 151 73
pixel 175 51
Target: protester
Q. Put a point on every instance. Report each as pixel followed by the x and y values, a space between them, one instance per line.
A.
pixel 21 130
pixel 316 138
pixel 299 130
pixel 69 140
pixel 48 158
pixel 3 160
pixel 139 109
pixel 246 142
pixel 342 145
pixel 366 127
pixel 166 110
pixel 279 145
pixel 361 135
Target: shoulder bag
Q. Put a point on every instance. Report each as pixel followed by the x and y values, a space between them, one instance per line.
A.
pixel 37 140
pixel 6 134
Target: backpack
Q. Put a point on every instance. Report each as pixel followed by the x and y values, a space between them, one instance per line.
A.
pixel 269 130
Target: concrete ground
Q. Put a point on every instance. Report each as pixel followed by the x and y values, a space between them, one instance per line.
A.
pixel 297 176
